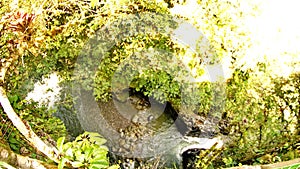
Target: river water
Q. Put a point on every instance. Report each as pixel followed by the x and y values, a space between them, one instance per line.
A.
pixel 160 139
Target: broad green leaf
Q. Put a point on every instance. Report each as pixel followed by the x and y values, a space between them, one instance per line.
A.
pixel 92 134
pixel 100 163
pixel 114 167
pixel 77 164
pixel 69 152
pixel 13 98
pixel 60 143
pixel 99 141
pixel 88 152
pixel 12 140
pixel 79 156
pixel 67 146
pixel 62 163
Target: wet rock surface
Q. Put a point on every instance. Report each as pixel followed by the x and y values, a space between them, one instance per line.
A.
pixel 138 127
pixel 148 123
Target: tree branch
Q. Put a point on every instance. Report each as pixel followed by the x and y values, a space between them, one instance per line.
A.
pixel 19 161
pixel 26 130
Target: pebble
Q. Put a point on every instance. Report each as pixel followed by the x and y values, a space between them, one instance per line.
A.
pixel 122 142
pixel 150 118
pixel 127 146
pixel 135 119
pixel 122 135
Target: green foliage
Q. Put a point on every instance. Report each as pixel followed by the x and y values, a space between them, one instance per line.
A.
pixel 40 119
pixel 86 151
pixel 264 115
pixel 45 126
pixel 206 157
pixel 263 111
pixel 51 42
pixel 130 65
pixel 15 142
pixel 228 161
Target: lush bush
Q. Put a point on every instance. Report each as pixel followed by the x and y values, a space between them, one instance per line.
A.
pixel 260 119
pixel 264 117
pixel 86 151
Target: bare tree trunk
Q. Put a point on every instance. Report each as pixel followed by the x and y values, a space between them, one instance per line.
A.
pixel 26 130
pixel 23 162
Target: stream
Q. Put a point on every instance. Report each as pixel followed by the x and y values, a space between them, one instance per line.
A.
pixel 147 131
